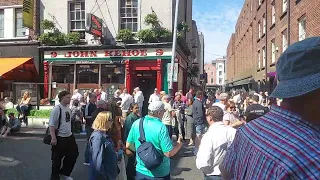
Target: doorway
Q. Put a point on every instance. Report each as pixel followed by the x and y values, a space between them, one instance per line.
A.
pixel 147 81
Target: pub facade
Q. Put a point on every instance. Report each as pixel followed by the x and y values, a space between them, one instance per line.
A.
pixel 111 67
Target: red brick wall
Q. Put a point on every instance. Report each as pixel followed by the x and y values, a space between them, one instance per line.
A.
pixel 243 56
pixel 36 27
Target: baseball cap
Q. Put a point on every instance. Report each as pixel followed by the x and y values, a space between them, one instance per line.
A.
pixel 298 69
pixel 156 106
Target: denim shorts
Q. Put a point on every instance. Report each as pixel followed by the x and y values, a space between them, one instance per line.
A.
pixel 200 129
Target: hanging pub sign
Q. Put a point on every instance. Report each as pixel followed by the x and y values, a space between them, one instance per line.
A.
pixel 94 25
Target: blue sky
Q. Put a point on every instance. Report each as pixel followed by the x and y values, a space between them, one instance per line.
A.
pixel 216 19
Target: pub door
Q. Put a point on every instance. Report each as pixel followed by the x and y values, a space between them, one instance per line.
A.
pixel 147 82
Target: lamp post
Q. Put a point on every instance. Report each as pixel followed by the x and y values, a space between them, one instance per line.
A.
pixel 174 44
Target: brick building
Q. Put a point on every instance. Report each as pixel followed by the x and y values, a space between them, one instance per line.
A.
pixel 210 69
pixel 265 28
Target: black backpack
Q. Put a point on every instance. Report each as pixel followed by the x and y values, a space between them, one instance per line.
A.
pixel 148 154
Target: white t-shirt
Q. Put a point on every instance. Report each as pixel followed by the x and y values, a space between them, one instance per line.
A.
pixel 65 127
pixel 154 97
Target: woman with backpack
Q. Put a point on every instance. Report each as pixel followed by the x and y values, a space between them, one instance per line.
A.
pixel 103 157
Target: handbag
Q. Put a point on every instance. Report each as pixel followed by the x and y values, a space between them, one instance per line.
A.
pixel 47 136
pixel 148 154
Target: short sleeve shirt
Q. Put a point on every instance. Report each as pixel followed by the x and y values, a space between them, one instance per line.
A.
pixel 159 137
pixel 65 127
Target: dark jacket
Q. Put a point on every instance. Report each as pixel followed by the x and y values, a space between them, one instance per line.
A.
pixel 198 112
pixel 90 107
pixel 96 112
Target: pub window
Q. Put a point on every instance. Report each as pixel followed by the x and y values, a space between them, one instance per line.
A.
pixel 77 18
pixel 20 31
pixel 63 73
pixel 1 23
pixel 112 74
pixel 88 74
pixel 129 15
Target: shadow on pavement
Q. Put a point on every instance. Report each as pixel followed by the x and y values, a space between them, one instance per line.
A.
pixel 184 152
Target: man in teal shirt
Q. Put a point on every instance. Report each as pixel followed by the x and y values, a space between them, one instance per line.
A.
pixel 156 133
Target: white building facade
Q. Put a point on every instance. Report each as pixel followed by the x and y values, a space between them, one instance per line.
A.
pixel 71 16
pixel 220 71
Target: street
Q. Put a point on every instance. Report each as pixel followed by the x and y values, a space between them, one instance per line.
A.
pixel 29 159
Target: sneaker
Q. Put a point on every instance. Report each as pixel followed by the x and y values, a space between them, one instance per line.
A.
pixel 86 164
pixel 63 177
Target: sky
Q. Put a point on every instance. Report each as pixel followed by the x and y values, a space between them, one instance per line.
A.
pixel 216 19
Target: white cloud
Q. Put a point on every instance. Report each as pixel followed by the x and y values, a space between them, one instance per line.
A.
pixel 217 27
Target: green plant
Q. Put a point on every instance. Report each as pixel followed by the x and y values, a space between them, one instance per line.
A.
pixel 164 35
pixel 8 111
pixel 125 35
pixel 72 38
pixel 147 36
pixel 52 38
pixel 184 27
pixel 47 25
pixel 152 19
pixel 44 113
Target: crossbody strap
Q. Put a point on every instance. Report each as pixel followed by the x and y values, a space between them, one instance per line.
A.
pixel 59 121
pixel 142 138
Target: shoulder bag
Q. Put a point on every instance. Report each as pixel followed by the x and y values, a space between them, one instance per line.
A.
pixel 148 154
pixel 47 136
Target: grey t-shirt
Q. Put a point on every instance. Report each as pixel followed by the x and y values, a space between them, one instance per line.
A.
pixel 65 127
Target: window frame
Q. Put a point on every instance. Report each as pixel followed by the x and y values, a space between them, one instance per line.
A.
pixel 259 60
pixel 284 6
pixel 259 29
pixel 124 20
pixel 264 21
pixel 302 35
pixel 273 51
pixel 82 30
pixel 264 57
pixel 273 13
pixel 2 12
pixel 16 23
pixel 284 39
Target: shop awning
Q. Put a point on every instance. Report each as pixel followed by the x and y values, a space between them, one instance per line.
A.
pixel 8 64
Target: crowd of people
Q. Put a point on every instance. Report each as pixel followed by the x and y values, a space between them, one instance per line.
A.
pixel 235 135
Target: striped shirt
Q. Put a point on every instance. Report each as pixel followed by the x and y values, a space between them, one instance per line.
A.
pixel 278 145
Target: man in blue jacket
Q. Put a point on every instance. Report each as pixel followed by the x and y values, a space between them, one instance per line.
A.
pixel 13 125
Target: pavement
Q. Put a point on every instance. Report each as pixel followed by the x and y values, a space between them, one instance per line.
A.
pixel 27 158
pixel 38 132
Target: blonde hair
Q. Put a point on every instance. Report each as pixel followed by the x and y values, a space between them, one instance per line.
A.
pixel 26 95
pixel 102 121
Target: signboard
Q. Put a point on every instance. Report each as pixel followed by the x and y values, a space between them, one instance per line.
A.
pixel 28 13
pixel 92 54
pixel 94 25
pixel 175 72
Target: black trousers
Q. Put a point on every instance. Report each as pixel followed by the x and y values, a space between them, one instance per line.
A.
pixel 66 149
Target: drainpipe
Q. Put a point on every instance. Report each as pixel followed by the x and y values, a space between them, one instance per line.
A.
pixel 266 48
pixel 289 21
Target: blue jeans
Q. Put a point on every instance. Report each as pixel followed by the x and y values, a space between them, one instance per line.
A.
pixel 87 151
pixel 140 176
pixel 212 178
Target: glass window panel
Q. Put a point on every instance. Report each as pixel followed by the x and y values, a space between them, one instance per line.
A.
pixel 83 6
pixel 71 6
pixel 88 74
pixel 112 74
pixel 62 73
pixel 77 15
pixel 83 15
pixel 1 33
pixel 135 27
pixel 135 3
pixel 72 16
pixel 73 25
pixel 83 25
pixel 78 24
